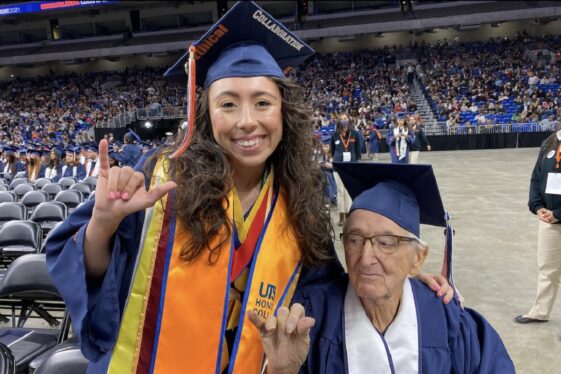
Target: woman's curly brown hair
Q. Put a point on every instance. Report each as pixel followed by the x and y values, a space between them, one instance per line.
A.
pixel 203 176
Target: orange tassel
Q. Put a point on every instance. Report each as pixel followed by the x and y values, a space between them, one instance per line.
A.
pixel 191 94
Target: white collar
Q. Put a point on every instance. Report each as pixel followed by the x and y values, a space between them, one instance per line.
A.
pixel 368 351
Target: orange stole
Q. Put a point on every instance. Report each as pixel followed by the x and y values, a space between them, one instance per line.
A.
pixel 194 313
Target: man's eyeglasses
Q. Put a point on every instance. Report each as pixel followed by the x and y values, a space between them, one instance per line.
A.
pixel 386 243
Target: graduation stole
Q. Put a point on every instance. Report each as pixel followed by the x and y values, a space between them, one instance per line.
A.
pixel 176 312
pixel 400 144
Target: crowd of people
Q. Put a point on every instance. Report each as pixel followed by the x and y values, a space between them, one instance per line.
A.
pixel 37 160
pixel 500 81
pixel 467 84
pixel 54 110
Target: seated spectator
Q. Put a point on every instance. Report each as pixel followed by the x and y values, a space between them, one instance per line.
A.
pixel 91 163
pixel 35 168
pixel 72 167
pixel 10 163
pixel 53 168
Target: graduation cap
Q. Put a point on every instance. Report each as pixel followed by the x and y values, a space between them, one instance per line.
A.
pixel 245 42
pixel 73 148
pixel 34 150
pixel 92 147
pixel 406 194
pixel 8 149
pixel 325 139
pixel 134 135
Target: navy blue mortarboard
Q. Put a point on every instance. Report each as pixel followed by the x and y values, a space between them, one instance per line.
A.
pixel 73 148
pixel 325 139
pixel 134 135
pixel 34 150
pixel 245 42
pixel 92 147
pixel 22 151
pixel 8 149
pixel 406 194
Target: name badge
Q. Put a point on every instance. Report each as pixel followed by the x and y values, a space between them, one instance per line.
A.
pixel 553 185
pixel 346 156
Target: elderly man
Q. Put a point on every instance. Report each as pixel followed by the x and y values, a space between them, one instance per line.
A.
pixel 378 319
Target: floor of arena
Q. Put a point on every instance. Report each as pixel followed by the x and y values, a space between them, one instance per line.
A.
pixel 486 192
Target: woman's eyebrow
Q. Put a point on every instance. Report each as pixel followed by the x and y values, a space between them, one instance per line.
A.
pixel 237 95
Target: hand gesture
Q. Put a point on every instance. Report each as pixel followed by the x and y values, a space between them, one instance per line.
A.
pixel 121 191
pixel 285 338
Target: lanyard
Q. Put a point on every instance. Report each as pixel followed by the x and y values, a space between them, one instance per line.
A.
pixel 345 143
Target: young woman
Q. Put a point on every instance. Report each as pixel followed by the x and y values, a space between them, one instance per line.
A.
pixel 11 164
pixel 399 139
pixel 35 168
pixel 54 166
pixel 160 270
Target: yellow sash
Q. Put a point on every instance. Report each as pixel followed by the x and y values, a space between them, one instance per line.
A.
pixel 194 312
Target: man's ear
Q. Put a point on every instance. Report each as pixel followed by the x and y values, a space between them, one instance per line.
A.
pixel 421 253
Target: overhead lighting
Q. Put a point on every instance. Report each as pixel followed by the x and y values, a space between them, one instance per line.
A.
pixel 148 124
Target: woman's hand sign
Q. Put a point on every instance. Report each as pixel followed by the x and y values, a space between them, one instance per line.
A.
pixel 121 191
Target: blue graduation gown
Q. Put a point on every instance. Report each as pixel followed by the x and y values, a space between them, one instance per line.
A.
pixel 451 339
pixel 58 172
pixel 130 156
pixel 391 140
pixel 80 172
pixel 96 309
pixel 20 166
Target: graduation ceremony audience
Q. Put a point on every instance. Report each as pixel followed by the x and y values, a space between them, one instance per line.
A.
pixel 494 82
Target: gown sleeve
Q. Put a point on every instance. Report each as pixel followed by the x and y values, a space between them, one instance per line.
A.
pixel 475 346
pixel 95 308
pixel 390 138
pixel 321 291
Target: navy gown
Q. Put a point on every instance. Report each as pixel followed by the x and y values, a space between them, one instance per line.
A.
pixel 451 339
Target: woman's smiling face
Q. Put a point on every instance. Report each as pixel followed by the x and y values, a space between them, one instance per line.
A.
pixel 246 117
